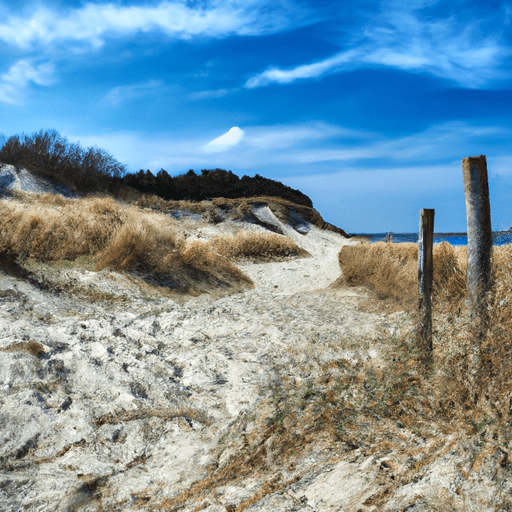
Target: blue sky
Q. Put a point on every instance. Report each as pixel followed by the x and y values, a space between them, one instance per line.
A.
pixel 366 106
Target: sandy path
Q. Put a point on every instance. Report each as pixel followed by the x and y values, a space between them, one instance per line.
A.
pixel 302 274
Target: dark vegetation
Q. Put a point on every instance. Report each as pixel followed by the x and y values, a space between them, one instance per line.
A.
pixel 52 156
pixel 210 184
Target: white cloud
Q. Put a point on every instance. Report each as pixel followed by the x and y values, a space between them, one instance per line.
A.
pixel 274 142
pixel 401 37
pixel 94 22
pixel 305 71
pixel 228 140
pixel 126 92
pixel 20 75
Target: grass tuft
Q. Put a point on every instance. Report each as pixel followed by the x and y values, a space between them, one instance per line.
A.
pixel 247 244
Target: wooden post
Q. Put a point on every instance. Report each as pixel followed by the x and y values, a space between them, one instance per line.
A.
pixel 425 274
pixel 478 212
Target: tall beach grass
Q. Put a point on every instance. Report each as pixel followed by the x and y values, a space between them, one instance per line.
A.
pixel 391 270
pixel 126 237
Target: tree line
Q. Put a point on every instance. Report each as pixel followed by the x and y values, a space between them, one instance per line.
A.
pixel 50 155
pixel 210 184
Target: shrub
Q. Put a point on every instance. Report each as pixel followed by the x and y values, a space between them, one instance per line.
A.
pixel 211 184
pixel 52 156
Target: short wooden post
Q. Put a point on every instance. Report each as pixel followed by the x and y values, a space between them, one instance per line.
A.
pixel 425 274
pixel 478 212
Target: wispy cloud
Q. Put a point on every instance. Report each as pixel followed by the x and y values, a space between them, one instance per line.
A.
pixel 316 69
pixel 92 23
pixel 58 33
pixel 439 142
pixel 313 143
pixel 278 137
pixel 403 37
pixel 126 92
pixel 261 144
pixel 214 93
pixel 19 76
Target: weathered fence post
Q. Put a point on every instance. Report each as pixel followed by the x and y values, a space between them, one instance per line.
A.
pixel 425 273
pixel 478 212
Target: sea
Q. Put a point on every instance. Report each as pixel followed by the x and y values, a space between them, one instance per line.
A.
pixel 498 237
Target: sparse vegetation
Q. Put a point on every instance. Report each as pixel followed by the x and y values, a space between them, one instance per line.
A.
pixel 340 396
pixel 116 235
pixel 392 270
pixel 377 406
pixel 238 209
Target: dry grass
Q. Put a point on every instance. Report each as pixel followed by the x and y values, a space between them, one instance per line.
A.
pixel 51 228
pixel 248 244
pixel 30 347
pixel 440 395
pixel 391 270
pixel 165 414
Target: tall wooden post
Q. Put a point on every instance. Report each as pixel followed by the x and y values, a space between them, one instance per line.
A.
pixel 425 274
pixel 478 212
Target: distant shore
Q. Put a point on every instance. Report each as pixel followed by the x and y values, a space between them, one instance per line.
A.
pixel 499 237
pixel 363 235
